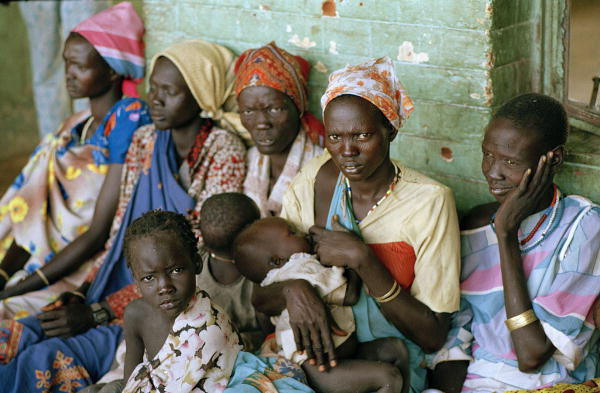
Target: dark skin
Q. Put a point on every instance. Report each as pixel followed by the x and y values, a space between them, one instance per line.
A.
pixel 358 138
pixel 372 366
pixel 519 168
pixel 166 276
pixel 273 120
pixel 168 95
pixel 87 75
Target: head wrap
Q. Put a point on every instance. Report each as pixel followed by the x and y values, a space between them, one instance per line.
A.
pixel 117 33
pixel 276 68
pixel 207 69
pixel 376 82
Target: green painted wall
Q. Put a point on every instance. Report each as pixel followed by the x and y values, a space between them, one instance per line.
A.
pixel 18 125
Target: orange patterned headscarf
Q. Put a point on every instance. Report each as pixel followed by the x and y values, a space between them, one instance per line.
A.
pixel 376 82
pixel 276 68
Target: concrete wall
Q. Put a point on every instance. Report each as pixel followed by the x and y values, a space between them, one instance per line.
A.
pixel 458 59
pixel 18 125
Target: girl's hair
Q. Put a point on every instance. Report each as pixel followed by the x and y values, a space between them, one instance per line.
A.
pixel 539 113
pixel 156 221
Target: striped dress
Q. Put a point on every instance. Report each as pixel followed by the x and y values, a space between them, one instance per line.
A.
pixel 563 278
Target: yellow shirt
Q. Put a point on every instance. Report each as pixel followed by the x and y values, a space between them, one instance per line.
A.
pixel 414 232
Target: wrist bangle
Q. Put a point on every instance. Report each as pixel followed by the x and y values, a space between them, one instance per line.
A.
pixel 43 276
pixel 79 294
pixel 388 293
pixel 393 295
pixel 521 320
pixel 4 274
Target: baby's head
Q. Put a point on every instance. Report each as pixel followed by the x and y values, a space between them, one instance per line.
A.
pixel 267 244
pixel 161 251
pixel 222 218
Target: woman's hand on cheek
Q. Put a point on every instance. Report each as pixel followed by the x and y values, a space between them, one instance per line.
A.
pixel 311 323
pixel 339 247
pixel 523 201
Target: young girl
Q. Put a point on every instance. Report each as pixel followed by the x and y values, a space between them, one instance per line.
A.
pixel 52 201
pixel 188 341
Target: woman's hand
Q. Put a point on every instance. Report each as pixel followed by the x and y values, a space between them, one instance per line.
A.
pixel 311 323
pixel 523 201
pixel 339 247
pixel 68 320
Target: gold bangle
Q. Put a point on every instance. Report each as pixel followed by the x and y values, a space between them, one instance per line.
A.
pixel 4 274
pixel 388 293
pixel 77 293
pixel 43 276
pixel 393 295
pixel 521 320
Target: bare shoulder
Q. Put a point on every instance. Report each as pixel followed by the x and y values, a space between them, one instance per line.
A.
pixel 324 188
pixel 478 216
pixel 136 313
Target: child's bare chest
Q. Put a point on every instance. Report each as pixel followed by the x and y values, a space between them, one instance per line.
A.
pixel 154 335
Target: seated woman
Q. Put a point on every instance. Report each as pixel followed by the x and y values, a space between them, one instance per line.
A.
pixel 530 264
pixel 271 88
pixel 403 243
pixel 174 164
pixel 52 201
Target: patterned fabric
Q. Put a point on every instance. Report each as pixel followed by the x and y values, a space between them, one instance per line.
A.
pixel 278 69
pixel 118 35
pixel 207 69
pixel 254 374
pixel 52 200
pixel 149 181
pixel 256 185
pixel 329 282
pixel 197 356
pixel 376 82
pixel 413 232
pixel 48 25
pixel 591 386
pixel 563 277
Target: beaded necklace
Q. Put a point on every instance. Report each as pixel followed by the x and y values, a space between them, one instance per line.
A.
pixel 387 193
pixel 553 210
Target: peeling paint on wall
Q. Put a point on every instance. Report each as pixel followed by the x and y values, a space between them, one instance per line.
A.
pixel 320 67
pixel 475 96
pixel 264 7
pixel 333 48
pixel 328 8
pixel 304 43
pixel 407 53
pixel 288 28
pixel 446 154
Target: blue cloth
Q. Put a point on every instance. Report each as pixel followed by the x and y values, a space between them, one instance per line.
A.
pixel 371 324
pixel 90 354
pixel 254 374
pixel 130 114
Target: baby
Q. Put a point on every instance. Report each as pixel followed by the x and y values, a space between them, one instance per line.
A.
pixel 188 342
pixel 270 251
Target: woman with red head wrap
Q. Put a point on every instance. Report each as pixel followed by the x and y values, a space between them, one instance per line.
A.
pixel 271 86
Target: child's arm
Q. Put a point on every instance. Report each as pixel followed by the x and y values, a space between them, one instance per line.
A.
pixel 133 338
pixel 352 288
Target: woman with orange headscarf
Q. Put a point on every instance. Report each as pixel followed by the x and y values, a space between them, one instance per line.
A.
pixel 271 87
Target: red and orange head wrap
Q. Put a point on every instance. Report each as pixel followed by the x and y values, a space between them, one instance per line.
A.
pixel 276 68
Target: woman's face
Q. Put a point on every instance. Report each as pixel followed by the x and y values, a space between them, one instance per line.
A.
pixel 357 136
pixel 507 153
pixel 172 104
pixel 86 72
pixel 271 117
